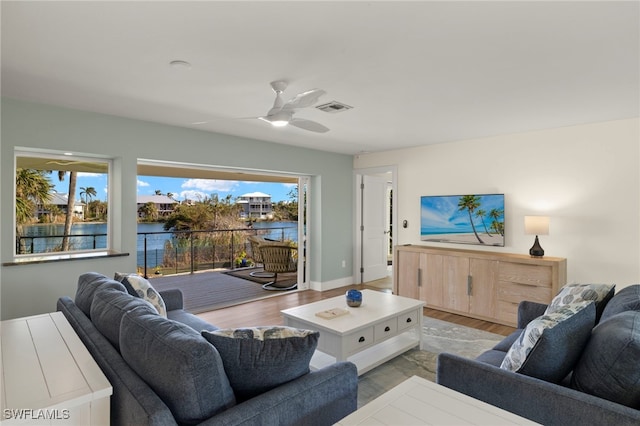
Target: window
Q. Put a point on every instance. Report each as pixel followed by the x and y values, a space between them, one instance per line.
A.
pixel 62 204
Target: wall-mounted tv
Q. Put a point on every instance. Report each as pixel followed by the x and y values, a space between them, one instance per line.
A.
pixel 464 219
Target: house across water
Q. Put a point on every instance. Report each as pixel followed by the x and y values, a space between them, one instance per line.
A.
pixel 256 205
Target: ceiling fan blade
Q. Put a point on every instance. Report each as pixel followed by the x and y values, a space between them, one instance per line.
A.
pixel 304 99
pixel 308 125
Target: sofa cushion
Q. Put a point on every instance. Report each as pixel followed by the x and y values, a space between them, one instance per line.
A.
pixel 261 358
pixel 88 284
pixel 627 299
pixel 505 344
pixel 178 364
pixel 551 344
pixel 600 294
pixel 492 357
pixel 193 321
pixel 608 367
pixel 141 287
pixel 109 306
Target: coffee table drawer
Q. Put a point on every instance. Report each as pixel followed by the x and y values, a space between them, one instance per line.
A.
pixel 386 329
pixel 356 341
pixel 410 319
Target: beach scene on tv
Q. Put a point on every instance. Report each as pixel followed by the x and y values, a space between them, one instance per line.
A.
pixel 465 219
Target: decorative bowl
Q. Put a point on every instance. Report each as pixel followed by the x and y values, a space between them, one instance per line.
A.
pixel 354 298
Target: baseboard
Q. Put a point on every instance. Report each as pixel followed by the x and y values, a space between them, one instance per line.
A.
pixel 330 285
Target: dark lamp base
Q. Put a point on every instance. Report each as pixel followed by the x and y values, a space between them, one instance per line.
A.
pixel 536 250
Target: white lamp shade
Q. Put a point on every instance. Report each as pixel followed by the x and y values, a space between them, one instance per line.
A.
pixel 536 225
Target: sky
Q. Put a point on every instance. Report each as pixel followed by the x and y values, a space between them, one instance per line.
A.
pixel 442 214
pixel 182 188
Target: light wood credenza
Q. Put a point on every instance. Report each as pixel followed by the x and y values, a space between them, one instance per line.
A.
pixel 479 284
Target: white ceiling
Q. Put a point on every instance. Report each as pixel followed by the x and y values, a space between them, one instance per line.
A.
pixel 415 72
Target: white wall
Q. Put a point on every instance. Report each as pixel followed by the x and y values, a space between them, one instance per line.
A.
pixel 586 178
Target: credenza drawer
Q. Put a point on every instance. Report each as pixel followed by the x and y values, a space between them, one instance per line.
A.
pixel 512 292
pixel 359 340
pixel 533 275
pixel 507 312
pixel 386 329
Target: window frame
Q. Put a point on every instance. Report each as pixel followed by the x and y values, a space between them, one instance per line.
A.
pixel 60 157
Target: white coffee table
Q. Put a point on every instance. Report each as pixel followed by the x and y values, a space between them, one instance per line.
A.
pixel 417 401
pixel 383 327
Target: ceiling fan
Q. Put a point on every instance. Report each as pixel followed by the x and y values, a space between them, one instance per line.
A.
pixel 281 114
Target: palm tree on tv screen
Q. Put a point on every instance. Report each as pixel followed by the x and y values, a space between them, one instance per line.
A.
pixel 470 203
pixel 498 226
pixel 481 214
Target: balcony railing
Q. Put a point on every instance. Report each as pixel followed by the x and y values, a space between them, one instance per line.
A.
pixel 171 252
pixel 52 243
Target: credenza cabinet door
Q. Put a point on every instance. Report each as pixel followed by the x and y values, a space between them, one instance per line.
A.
pixel 482 287
pixel 408 274
pixel 455 274
pixel 432 274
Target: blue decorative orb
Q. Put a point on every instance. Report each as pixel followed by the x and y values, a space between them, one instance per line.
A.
pixel 354 298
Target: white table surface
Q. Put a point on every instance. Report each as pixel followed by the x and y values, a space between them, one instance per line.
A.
pixel 376 306
pixel 46 368
pixel 417 401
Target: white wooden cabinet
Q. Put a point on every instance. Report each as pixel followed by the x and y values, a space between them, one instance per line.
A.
pixel 479 284
pixel 48 375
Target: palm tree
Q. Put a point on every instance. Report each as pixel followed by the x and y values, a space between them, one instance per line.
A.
pixel 83 194
pixel 158 192
pixel 496 214
pixel 149 211
pixel 32 188
pixel 470 203
pixel 481 214
pixel 71 201
pixel 89 192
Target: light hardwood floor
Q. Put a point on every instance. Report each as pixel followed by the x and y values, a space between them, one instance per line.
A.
pixel 267 311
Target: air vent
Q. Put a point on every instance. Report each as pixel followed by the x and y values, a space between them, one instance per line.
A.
pixel 333 106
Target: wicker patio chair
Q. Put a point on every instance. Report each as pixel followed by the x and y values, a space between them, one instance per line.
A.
pixel 254 243
pixel 278 258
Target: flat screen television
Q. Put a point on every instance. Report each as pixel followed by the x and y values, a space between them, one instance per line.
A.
pixel 465 219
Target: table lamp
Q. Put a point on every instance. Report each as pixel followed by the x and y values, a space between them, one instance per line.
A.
pixel 536 225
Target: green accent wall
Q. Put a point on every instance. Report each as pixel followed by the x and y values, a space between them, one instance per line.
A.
pixel 32 289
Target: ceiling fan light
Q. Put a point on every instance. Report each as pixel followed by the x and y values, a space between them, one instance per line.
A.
pixel 279 119
pixel 279 123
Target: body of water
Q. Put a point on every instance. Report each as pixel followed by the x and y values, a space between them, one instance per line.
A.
pixel 42 238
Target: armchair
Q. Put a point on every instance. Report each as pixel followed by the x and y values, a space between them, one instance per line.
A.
pixel 254 243
pixel 278 258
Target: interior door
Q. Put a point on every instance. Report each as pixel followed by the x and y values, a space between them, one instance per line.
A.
pixel 374 232
pixel 303 212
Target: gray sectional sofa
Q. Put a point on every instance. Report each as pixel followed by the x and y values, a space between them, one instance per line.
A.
pixel 603 384
pixel 163 371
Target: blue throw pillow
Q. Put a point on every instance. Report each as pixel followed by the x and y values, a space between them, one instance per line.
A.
pixel 178 364
pixel 88 284
pixel 608 367
pixel 109 306
pixel 627 299
pixel 550 345
pixel 259 359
